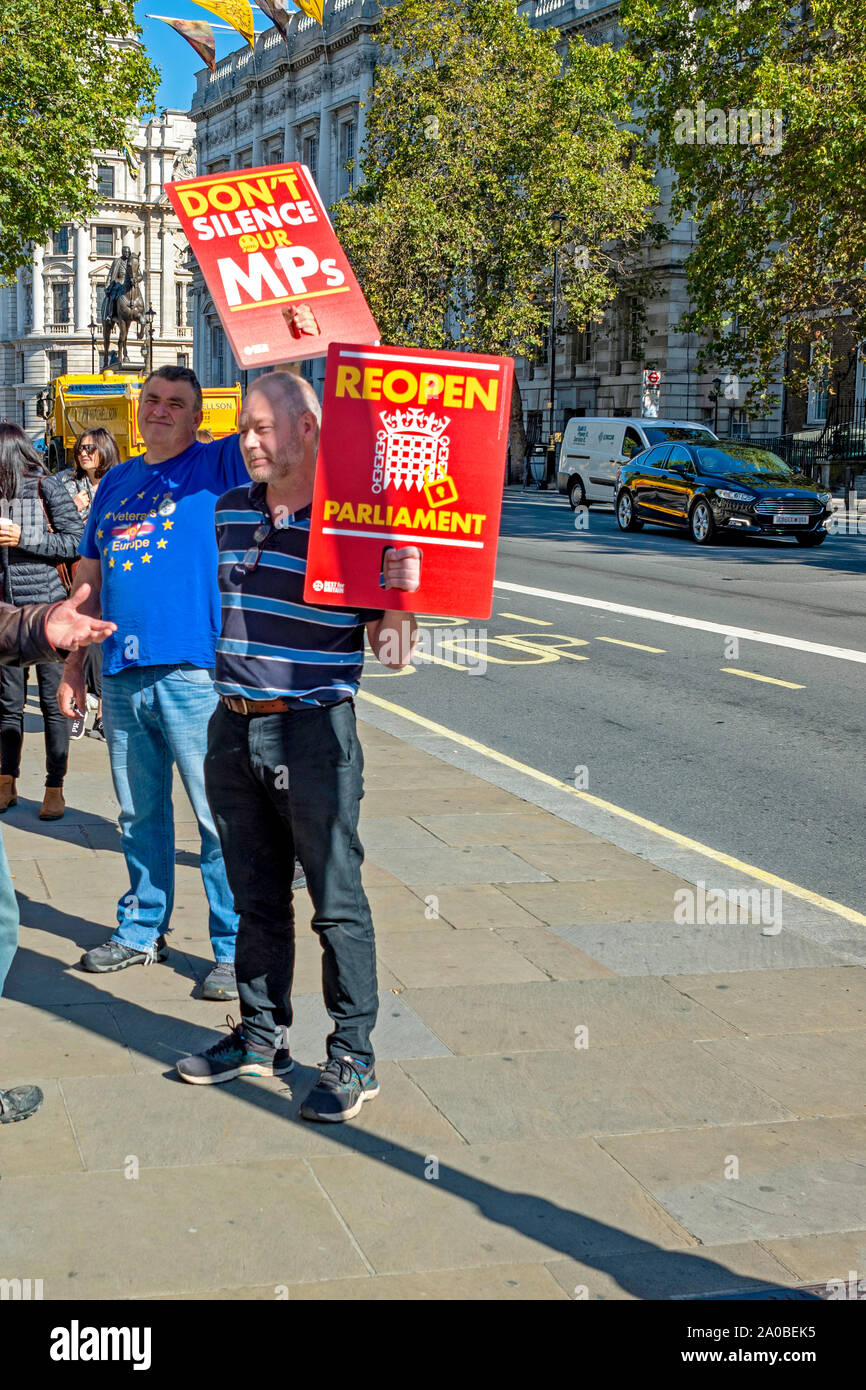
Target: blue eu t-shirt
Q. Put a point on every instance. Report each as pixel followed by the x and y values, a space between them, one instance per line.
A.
pixel 152 527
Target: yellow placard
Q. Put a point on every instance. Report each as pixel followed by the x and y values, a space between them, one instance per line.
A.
pixel 237 13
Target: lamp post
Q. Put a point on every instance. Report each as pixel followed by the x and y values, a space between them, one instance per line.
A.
pixel 556 221
pixel 93 327
pixel 714 395
pixel 150 315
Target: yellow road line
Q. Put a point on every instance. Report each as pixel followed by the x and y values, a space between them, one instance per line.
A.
pixel 542 622
pixel 753 676
pixel 617 641
pixel 684 841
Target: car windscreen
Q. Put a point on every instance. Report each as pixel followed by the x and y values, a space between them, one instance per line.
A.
pixel 737 460
pixel 660 434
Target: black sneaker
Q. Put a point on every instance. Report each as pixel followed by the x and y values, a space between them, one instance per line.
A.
pixel 342 1088
pixel 18 1103
pixel 113 956
pixel 78 726
pixel 231 1057
pixel 221 982
pixel 97 731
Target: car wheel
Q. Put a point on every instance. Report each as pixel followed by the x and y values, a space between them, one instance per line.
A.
pixel 701 523
pixel 810 538
pixel 625 513
pixel 577 494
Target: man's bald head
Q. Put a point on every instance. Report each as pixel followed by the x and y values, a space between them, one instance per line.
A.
pixel 279 427
pixel 293 393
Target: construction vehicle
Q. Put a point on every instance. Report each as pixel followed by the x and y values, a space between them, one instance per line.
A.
pixel 73 404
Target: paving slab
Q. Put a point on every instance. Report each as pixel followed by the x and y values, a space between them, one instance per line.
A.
pixel 173 1230
pixel 380 833
pixel 429 801
pixel 399 909
pixel 810 1073
pixel 426 959
pixel 556 957
pixel 546 1017
pixel 838 1255
pixel 446 865
pixel 488 1284
pixel 783 1001
pixel 516 829
pixel 602 1090
pixel 602 900
pixel 584 861
pixel 671 1273
pixel 666 948
pixel 45 1143
pixel 473 905
pixel 83 1040
pixel 166 1123
pixel 47 981
pixel 786 1179
pixel 478 1209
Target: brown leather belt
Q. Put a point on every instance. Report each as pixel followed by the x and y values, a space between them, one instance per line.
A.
pixel 250 708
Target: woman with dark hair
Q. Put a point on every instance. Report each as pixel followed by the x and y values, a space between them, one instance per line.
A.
pixel 39 529
pixel 94 453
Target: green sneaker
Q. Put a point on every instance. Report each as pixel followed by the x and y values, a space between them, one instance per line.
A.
pixel 231 1057
pixel 342 1088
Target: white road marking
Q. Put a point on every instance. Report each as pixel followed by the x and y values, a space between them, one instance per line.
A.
pixel 772 639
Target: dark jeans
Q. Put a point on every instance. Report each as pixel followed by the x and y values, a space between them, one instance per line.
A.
pixel 281 785
pixel 13 692
pixel 93 669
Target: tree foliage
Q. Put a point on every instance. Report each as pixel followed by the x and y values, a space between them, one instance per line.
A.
pixel 781 241
pixel 477 130
pixel 70 84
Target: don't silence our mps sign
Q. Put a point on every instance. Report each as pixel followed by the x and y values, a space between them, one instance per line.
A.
pixel 412 452
pixel 279 278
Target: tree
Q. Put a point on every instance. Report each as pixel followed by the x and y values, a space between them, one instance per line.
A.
pixel 70 84
pixel 477 131
pixel 760 109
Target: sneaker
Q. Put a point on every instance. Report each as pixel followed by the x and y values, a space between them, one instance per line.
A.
pixel 221 982
pixel 18 1103
pixel 78 726
pixel 97 731
pixel 231 1057
pixel 342 1088
pixel 114 956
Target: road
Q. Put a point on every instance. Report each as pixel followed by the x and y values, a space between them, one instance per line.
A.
pixel 750 744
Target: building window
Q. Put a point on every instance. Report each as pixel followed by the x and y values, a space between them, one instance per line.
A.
pixel 104 241
pixel 180 304
pixel 218 355
pixel 311 153
pixel 245 159
pixel 581 347
pixel 60 242
pixel 56 364
pixel 183 359
pixel 274 151
pixel 105 180
pixel 347 155
pixel 218 166
pixel 818 396
pixel 60 292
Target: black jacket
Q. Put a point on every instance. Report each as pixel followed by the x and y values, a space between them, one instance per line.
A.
pixel 29 569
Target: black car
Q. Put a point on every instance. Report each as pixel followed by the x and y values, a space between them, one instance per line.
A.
pixel 727 486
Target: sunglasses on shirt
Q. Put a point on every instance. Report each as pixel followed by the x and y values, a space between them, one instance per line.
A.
pixel 254 554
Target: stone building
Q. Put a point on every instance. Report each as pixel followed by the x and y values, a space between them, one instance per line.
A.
pixel 46 317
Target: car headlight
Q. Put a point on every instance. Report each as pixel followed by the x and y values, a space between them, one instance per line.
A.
pixel 825 497
pixel 734 496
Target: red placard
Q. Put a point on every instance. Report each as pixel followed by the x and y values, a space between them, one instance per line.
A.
pixel 412 452
pixel 276 272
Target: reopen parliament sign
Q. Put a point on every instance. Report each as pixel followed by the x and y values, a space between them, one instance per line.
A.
pixel 412 452
pixel 276 272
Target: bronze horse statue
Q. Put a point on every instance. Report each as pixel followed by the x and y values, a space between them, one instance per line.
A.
pixel 122 304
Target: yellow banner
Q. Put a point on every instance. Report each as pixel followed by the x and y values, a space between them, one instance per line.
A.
pixel 237 13
pixel 313 8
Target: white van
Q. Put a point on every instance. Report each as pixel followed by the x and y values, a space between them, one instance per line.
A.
pixel 594 446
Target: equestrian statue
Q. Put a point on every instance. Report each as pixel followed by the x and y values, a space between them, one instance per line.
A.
pixel 122 303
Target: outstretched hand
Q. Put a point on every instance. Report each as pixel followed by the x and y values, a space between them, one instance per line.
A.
pixel 68 629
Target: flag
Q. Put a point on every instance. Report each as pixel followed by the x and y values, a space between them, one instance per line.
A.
pixel 131 158
pixel 237 13
pixel 277 12
pixel 198 34
pixel 313 8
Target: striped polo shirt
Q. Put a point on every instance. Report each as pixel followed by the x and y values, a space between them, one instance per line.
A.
pixel 272 644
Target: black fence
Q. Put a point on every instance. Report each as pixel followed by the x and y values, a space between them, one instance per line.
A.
pixel 840 442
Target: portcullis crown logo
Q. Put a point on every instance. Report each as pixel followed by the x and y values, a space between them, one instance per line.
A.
pixel 412 450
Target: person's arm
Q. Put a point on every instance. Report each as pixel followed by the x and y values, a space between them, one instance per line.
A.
pixel 62 542
pixel 47 631
pixel 72 689
pixel 392 637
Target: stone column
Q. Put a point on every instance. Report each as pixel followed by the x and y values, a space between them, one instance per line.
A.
pixel 38 291
pixel 20 306
pixel 323 173
pixel 82 281
pixel 257 131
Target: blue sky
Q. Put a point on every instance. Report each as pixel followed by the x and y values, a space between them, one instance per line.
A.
pixel 173 55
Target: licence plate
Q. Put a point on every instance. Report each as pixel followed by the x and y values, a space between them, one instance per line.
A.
pixel 783 519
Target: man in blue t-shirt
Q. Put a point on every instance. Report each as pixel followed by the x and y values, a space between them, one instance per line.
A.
pixel 149 555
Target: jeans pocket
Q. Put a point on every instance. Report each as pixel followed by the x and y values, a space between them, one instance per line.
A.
pixel 196 675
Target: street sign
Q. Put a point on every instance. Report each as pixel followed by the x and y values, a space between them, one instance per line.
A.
pixel 277 274
pixel 411 452
pixel 652 378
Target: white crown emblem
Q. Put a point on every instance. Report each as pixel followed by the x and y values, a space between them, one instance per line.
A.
pixel 411 449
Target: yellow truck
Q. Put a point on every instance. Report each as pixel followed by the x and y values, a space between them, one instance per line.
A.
pixel 76 403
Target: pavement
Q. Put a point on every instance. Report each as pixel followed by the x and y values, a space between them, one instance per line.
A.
pixel 582 1095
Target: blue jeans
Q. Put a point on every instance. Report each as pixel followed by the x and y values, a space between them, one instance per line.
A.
pixel 282 785
pixel 154 717
pixel 8 918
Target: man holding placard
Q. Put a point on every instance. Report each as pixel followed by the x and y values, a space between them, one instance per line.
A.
pixel 284 766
